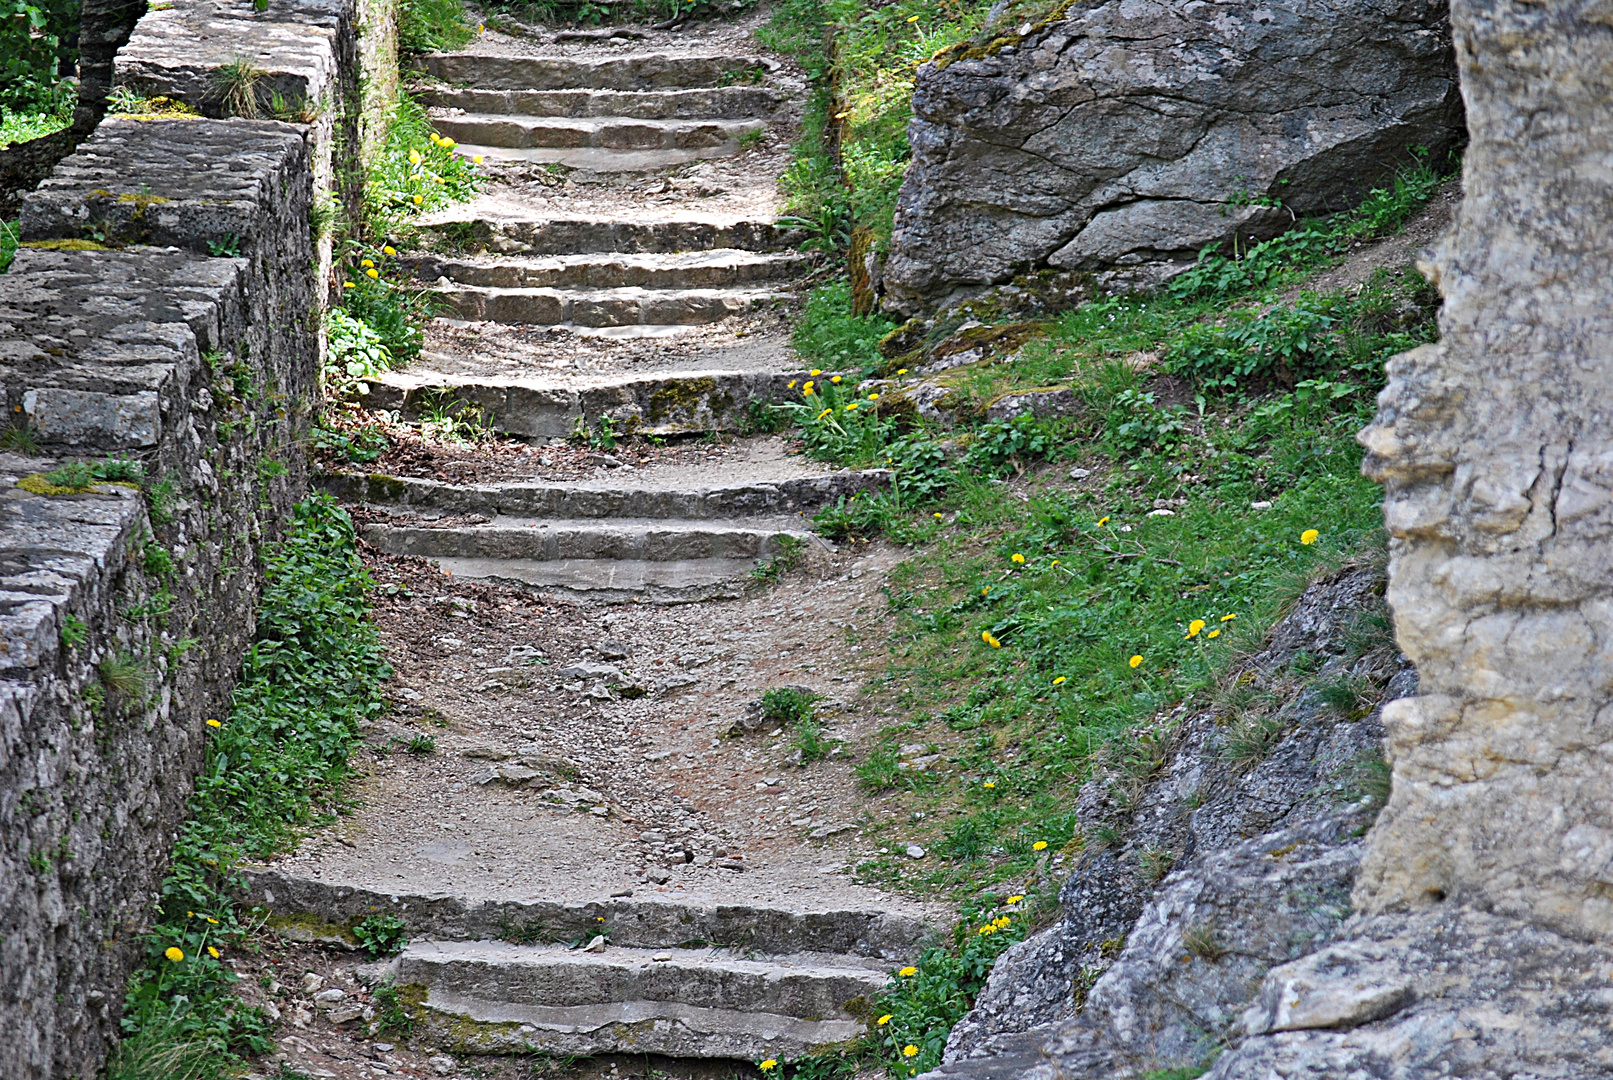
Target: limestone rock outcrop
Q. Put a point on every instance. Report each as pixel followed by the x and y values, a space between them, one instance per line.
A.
pixel 1133 133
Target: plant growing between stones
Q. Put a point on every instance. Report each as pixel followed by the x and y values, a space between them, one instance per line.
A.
pixel 235 87
pixel 422 744
pixel 125 676
pixel 381 935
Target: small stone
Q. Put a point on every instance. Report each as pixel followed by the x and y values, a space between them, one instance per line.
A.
pixel 653 836
pixel 915 852
pixel 487 753
pixel 621 892
pixel 656 875
pixel 271 1011
pixel 823 832
pixel 1080 474
pixel 386 1048
pixel 588 669
pixel 596 945
pixel 345 1014
pixel 599 811
pixel 730 864
pixel 325 997
pixel 1261 505
pixel 661 957
pixel 312 982
pixel 1161 512
pixel 614 649
pixel 702 860
pixel 441 1064
pixel 599 691
pixel 760 785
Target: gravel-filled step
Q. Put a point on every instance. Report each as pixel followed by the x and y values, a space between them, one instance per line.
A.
pixel 617 538
pixel 607 133
pixel 604 307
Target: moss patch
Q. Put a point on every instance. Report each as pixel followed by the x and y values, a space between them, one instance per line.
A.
pixel 64 245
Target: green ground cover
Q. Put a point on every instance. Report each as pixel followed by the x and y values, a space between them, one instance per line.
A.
pixel 275 766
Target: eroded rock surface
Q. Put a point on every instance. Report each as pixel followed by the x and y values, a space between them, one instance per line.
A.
pixel 1133 133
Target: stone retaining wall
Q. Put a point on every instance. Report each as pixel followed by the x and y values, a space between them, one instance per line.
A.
pixel 165 309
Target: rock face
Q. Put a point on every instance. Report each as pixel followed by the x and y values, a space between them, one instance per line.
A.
pixel 1135 132
pixel 1167 970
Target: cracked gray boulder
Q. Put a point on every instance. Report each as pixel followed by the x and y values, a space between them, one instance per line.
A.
pixel 1133 133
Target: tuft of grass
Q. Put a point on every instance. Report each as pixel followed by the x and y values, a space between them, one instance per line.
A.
pixel 1250 739
pixel 124 676
pixel 422 744
pixel 1153 863
pixel 235 86
pixel 432 26
pixel 1202 941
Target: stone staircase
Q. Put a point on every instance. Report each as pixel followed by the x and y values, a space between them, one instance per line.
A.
pixel 663 542
pixel 648 318
pixel 680 979
pixel 635 270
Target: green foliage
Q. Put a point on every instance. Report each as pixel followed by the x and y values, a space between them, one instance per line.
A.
pixel 30 52
pixel 381 935
pixel 389 314
pixel 924 1001
pixel 416 172
pixel 360 445
pixel 422 744
pixel 10 237
pixel 74 631
pixel 391 1016
pixel 354 352
pixel 235 87
pixel 831 336
pixel 21 127
pixel 431 26
pixel 787 705
pixel 312 673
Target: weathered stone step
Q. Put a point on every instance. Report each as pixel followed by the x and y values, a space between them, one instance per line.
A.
pixel 309 908
pixel 666 403
pixel 726 102
pixel 613 581
pixel 607 133
pixel 541 540
pixel 631 71
pixel 604 307
pixel 563 237
pixel 597 499
pixel 686 1003
pixel 719 268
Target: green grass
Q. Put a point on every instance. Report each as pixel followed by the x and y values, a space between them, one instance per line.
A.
pixel 24 127
pixel 432 26
pixel 1047 628
pixel 10 235
pixel 416 172
pixel 273 768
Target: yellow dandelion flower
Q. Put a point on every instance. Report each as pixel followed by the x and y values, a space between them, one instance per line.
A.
pixel 1055 562
pixel 769 1065
pixel 807 385
pixel 212 920
pixel 1214 633
pixel 174 953
pixel 414 157
pixel 389 250
pixel 986 636
pixel 914 18
pixel 791 384
pixel 873 397
pixel 1194 627
pixel 938 515
pixel 987 929
pixel 908 971
pixel 1103 520
pixel 1016 899
pixel 348 285
pixel 418 199
pixel 447 144
pixel 1059 681
pixel 366 262
pixel 1309 536
pixel 1228 618
pixel 815 372
pixel 989 784
pixel 901 371
pixel 883 1020
pixel 835 379
pixel 476 159
pixel 824 413
pixel 214 723
pixel 852 407
pixel 910 1050
pixel 842 115
pixel 1040 845
pixel 372 273
pixel 1135 661
pixel 1016 557
pixel 806 391
pixel 212 952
